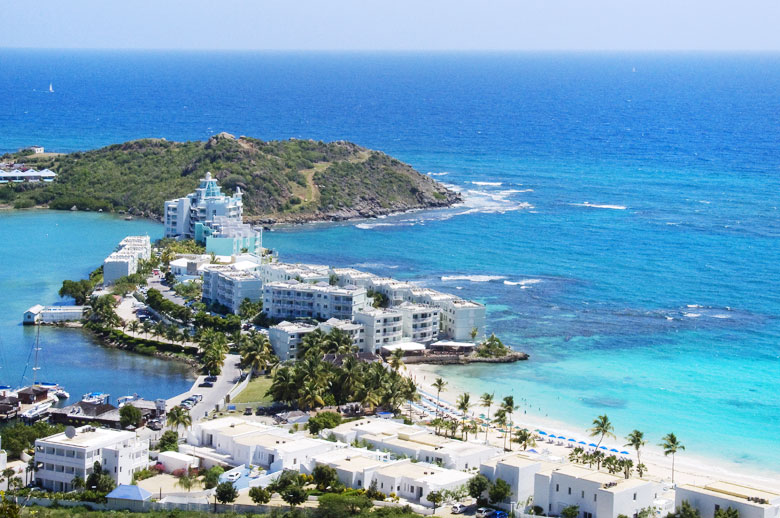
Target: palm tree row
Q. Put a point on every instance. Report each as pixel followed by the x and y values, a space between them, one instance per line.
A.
pixel 256 353
pixel 612 463
pixel 312 382
pixel 214 348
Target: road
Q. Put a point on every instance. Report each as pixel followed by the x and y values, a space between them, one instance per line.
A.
pixel 231 374
pixel 156 283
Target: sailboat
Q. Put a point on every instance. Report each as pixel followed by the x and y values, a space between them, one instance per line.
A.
pixel 51 90
pixel 39 408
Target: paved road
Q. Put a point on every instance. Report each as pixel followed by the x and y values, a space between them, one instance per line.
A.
pixel 156 283
pixel 211 396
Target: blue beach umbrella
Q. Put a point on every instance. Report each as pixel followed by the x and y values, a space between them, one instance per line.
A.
pixel 624 453
pixel 583 442
pixel 541 432
pixel 613 449
pixel 532 451
pixel 593 445
pixel 552 436
pixel 602 447
pixel 572 440
pixel 561 437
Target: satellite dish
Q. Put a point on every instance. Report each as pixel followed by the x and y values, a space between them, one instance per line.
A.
pixel 70 432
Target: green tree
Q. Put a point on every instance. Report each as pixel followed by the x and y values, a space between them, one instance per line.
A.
pixel 729 512
pixel 602 427
pixel 686 510
pixel 671 446
pixel 294 496
pixel 636 440
pixel 9 508
pixel 396 359
pixel 169 441
pixel 187 482
pixel 571 511
pixel 487 401
pixel 525 438
pixel 323 420
pixel 435 497
pixel 508 406
pixel 79 291
pixel 339 505
pixel 439 385
pixel 226 493
pixel 477 485
pixel 259 495
pixel 324 476
pixel 464 405
pixel 499 491
pixel 178 416
pixel 130 416
pixel 211 476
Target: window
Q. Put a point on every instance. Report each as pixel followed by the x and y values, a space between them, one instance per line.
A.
pixel 635 497
pixel 569 490
pixel 583 495
pixel 595 496
pixel 557 488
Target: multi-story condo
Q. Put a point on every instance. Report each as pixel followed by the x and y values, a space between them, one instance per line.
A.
pixel 353 329
pixel 73 453
pixel 286 338
pixel 460 317
pixel 293 299
pixel 280 272
pixel 749 502
pixel 421 322
pixel 347 276
pixel 230 284
pixel 595 493
pixel 211 218
pixel 124 260
pixel 394 290
pixel 382 327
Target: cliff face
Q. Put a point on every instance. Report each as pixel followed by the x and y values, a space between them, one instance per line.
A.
pixel 283 181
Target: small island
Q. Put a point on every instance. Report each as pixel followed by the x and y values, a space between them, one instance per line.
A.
pixel 290 181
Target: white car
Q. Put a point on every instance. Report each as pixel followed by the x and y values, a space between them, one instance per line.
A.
pixel 458 508
pixel 232 477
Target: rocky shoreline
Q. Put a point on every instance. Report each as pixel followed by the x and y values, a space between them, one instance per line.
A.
pixel 461 359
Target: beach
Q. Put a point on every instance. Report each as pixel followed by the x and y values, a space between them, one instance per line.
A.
pixel 689 469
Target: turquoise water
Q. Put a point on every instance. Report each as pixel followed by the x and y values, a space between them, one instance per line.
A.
pixel 659 307
pixel 39 250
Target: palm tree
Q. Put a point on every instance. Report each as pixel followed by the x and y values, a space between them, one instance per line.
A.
pixel 134 326
pixel 671 446
pixel 397 359
pixel 410 394
pixel 500 420
pixel 464 405
pixel 310 395
pixel 439 385
pixel 178 416
pixel 187 482
pixel 525 438
pixel 636 440
pixel 602 427
pixel 509 406
pixel 487 401
pixel 147 326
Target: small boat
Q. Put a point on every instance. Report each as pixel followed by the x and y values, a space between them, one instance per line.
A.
pixel 37 411
pixel 60 393
pixel 51 90
pixel 128 218
pixel 122 401
pixel 95 397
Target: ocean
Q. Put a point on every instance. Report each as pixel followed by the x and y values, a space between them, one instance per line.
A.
pixel 621 219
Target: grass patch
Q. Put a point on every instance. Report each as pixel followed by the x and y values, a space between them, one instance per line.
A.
pixel 255 391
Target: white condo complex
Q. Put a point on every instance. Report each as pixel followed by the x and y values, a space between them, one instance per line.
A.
pixel 211 218
pixel 124 261
pixel 73 453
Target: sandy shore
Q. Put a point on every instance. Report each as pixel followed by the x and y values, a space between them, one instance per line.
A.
pixel 689 469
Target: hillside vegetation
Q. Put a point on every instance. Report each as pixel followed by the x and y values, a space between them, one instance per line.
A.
pixel 283 181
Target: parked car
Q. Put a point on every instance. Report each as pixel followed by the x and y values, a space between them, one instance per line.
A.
pixel 206 384
pixel 248 410
pixel 232 477
pixel 459 508
pixel 154 425
pixel 499 514
pixel 212 379
pixel 485 512
pixel 198 397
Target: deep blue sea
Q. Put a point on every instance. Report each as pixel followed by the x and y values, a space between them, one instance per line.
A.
pixel 621 220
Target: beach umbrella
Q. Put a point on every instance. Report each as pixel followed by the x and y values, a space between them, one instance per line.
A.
pixel 561 437
pixel 583 442
pixel 572 440
pixel 624 453
pixel 593 445
pixel 613 449
pixel 541 432
pixel 602 447
pixel 532 451
pixel 551 436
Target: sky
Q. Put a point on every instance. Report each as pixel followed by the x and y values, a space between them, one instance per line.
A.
pixel 399 25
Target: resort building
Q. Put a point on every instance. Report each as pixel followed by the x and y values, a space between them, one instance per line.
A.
pixel 26 175
pixel 280 272
pixel 293 299
pixel 394 290
pixel 420 322
pixel 124 260
pixel 382 327
pixel 597 494
pixel 414 481
pixel 353 329
pixel 519 471
pixel 211 218
pixel 748 501
pixel 286 337
pixel 39 314
pixel 350 276
pixel 355 467
pixel 73 453
pixel 230 284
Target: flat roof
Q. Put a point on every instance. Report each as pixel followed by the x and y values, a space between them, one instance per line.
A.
pixel 240 429
pixel 356 463
pixel 735 492
pixel 83 438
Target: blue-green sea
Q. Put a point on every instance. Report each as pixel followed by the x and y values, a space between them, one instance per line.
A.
pixel 621 209
pixel 39 250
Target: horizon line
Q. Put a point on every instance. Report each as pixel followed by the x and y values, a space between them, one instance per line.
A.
pixel 401 51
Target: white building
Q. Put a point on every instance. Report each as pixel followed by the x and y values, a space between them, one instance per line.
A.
pixel 748 501
pixel 597 494
pixel 124 260
pixel 519 471
pixel 355 467
pixel 39 314
pixel 286 337
pixel 421 322
pixel 460 317
pixel 280 272
pixel 62 457
pixel 395 291
pixel 382 327
pixel 174 460
pixel 351 276
pixel 293 299
pixel 201 206
pixel 353 329
pixel 230 284
pixel 414 481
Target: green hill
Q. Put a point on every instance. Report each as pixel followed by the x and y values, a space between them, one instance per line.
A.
pixel 283 181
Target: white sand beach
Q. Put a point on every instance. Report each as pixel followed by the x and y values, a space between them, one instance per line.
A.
pixel 689 469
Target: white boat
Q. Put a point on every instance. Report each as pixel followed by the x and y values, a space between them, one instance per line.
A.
pixel 95 397
pixel 36 411
pixel 61 394
pixel 51 90
pixel 122 401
